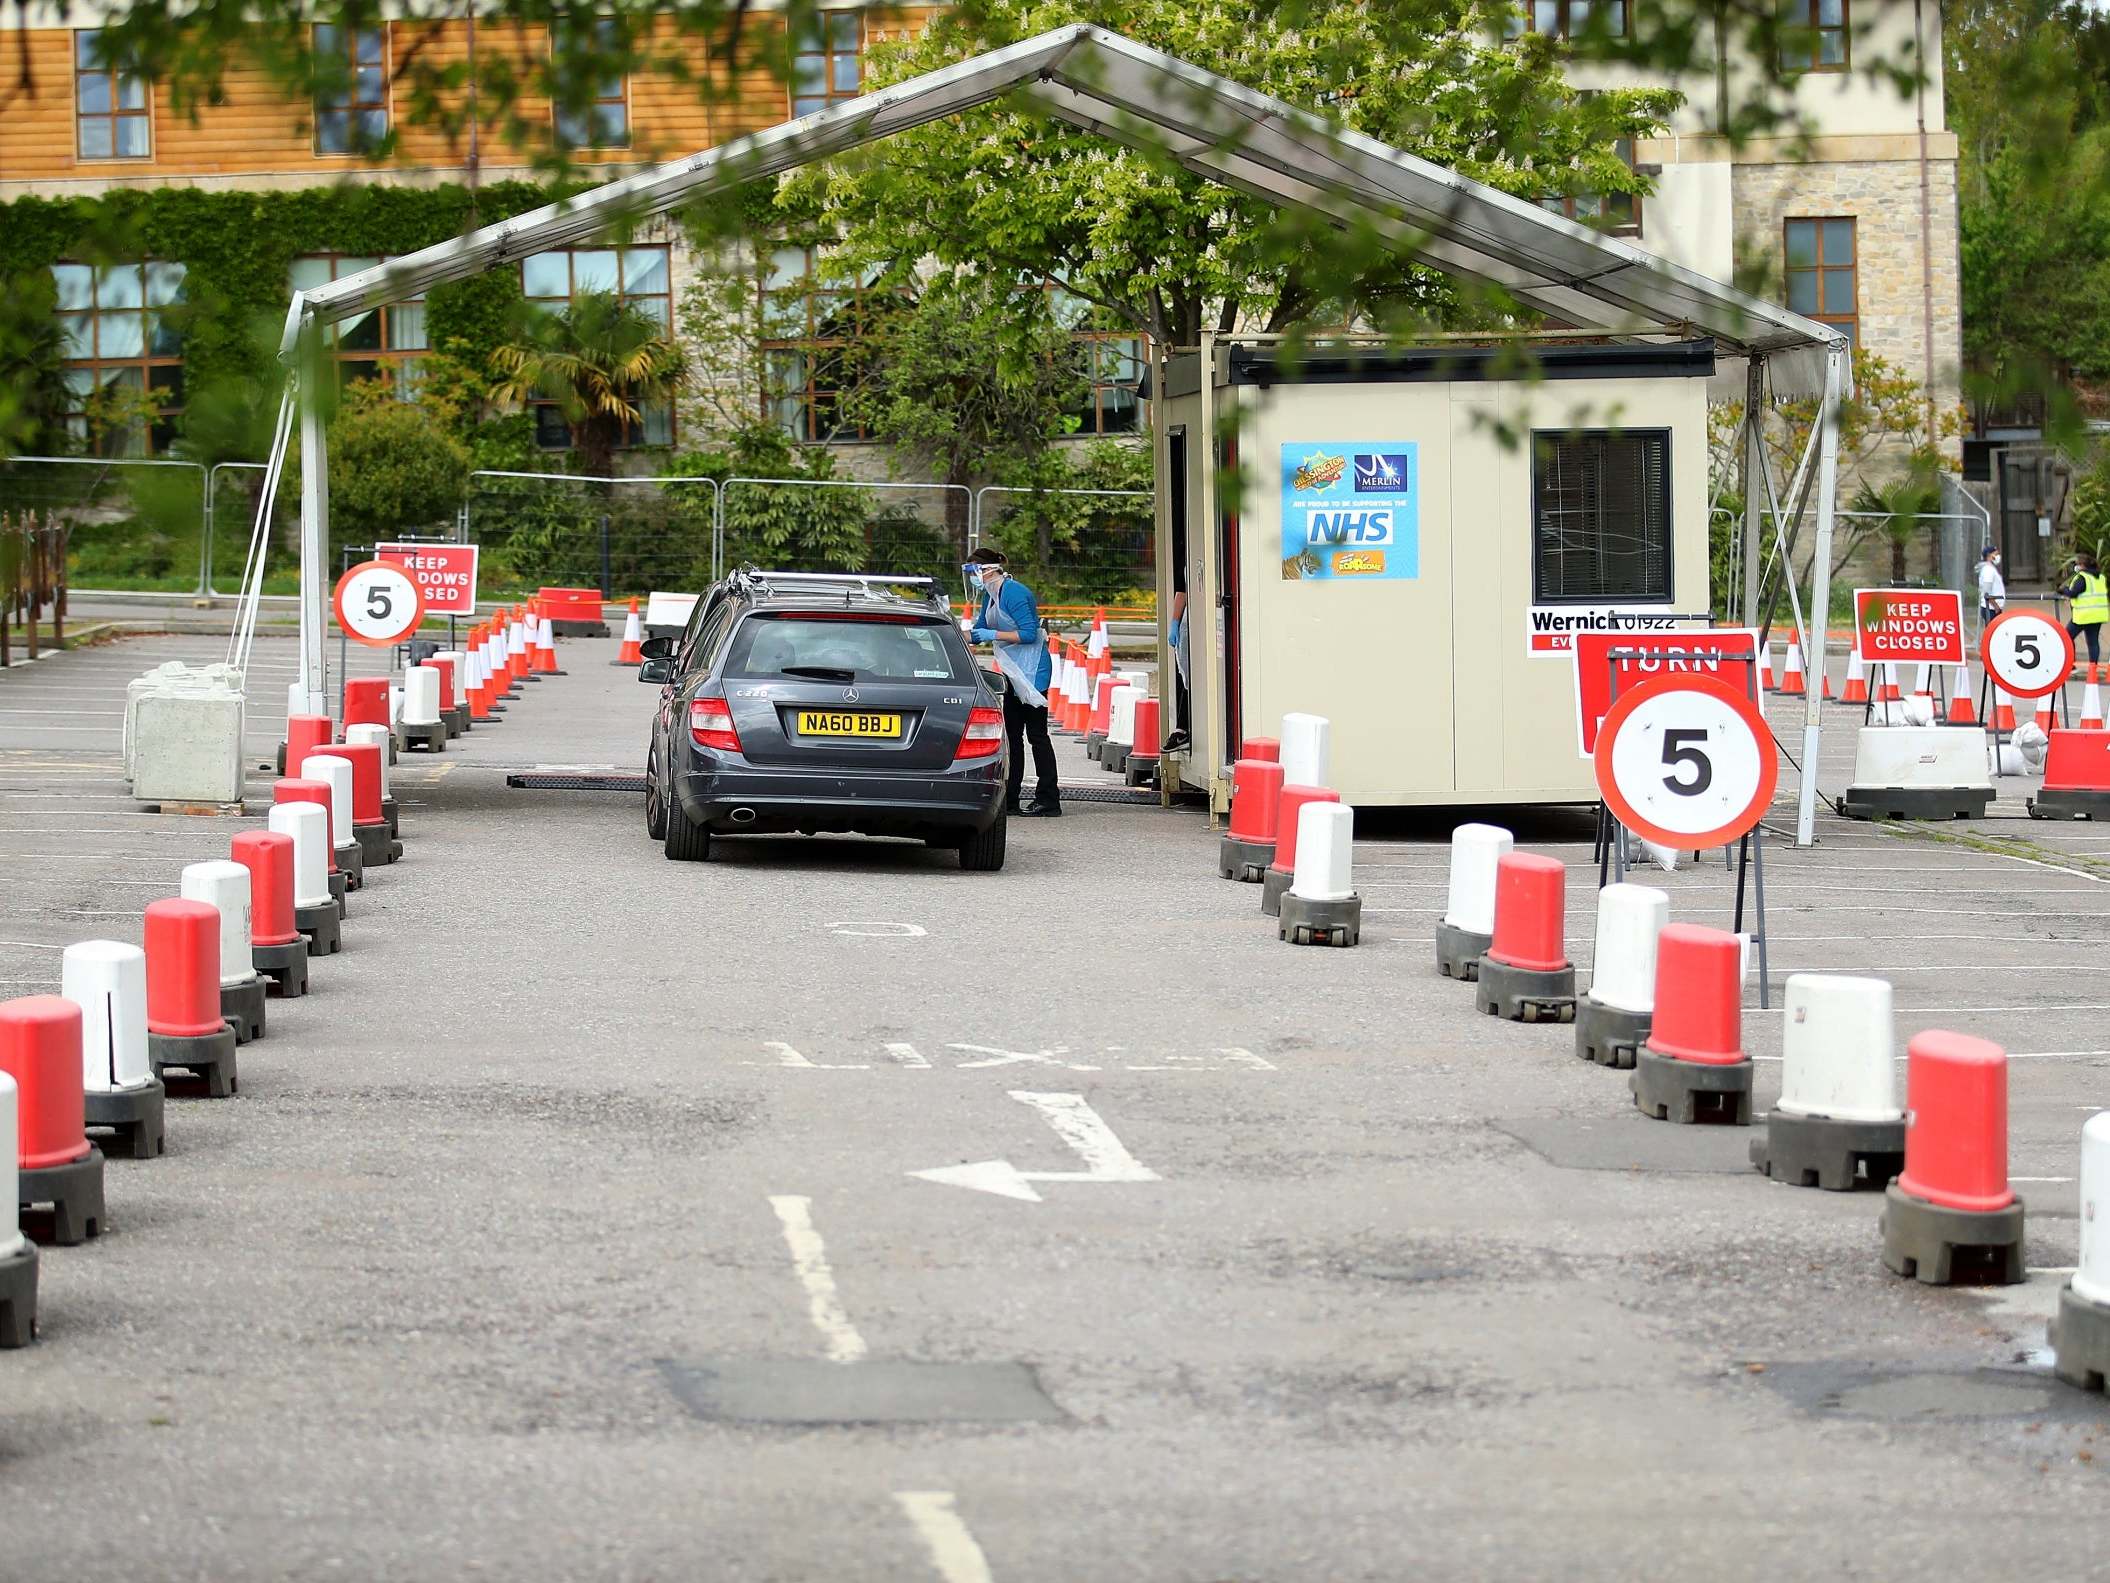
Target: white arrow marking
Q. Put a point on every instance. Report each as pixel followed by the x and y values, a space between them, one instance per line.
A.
pixel 1078 1125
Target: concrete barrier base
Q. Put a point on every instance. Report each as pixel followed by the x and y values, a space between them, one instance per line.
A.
pixel 376 845
pixel 1142 771
pixel 1914 802
pixel 243 1007
pixel 1274 885
pixel 1245 861
pixel 432 738
pixel 132 1117
pixel 1307 922
pixel 209 1058
pixel 18 1297
pixel 1609 1035
pixel 1691 1092
pixel 1524 994
pixel 321 925
pixel 286 966
pixel 390 818
pixel 340 883
pixel 1826 1152
pixel 1114 756
pixel 1934 1244
pixel 351 863
pixel 456 721
pixel 2069 803
pixel 2080 1340
pixel 73 1192
pixel 1093 742
pixel 1458 951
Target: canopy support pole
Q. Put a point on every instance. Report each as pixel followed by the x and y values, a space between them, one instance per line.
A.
pixel 1754 475
pixel 1820 582
pixel 314 531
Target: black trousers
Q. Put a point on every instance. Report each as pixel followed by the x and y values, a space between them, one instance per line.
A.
pixel 2093 632
pixel 1022 724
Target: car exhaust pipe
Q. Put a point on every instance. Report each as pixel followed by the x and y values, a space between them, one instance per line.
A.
pixel 743 816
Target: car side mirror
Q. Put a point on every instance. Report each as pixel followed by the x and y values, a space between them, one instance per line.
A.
pixel 660 648
pixel 656 672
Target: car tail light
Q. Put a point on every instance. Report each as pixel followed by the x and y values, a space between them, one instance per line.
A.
pixel 711 724
pixel 984 736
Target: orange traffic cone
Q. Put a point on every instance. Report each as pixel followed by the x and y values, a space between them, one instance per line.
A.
pixel 1098 643
pixel 2003 710
pixel 633 638
pixel 1889 692
pixel 546 645
pixel 2048 713
pixel 1765 668
pixel 1791 682
pixel 517 644
pixel 1856 681
pixel 1961 711
pixel 2092 700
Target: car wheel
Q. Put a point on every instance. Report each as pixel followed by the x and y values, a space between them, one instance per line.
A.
pixel 684 842
pixel 983 851
pixel 655 801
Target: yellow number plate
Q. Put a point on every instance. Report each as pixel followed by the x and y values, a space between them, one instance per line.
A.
pixel 847 723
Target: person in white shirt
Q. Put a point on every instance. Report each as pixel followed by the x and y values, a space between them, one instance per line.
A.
pixel 1992 589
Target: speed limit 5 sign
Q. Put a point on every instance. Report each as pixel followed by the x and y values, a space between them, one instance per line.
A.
pixel 2027 653
pixel 378 604
pixel 1686 761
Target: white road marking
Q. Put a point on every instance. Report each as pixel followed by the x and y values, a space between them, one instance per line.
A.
pixel 952 1548
pixel 787 1056
pixel 908 1055
pixel 999 1057
pixel 1078 1125
pixel 809 1257
pixel 876 929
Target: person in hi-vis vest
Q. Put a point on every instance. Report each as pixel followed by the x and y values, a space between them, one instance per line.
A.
pixel 1009 621
pixel 2090 607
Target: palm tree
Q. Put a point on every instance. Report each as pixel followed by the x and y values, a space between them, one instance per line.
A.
pixel 600 361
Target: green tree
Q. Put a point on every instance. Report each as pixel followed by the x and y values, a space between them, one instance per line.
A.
pixel 965 381
pixel 601 361
pixel 32 368
pixel 1168 253
pixel 395 467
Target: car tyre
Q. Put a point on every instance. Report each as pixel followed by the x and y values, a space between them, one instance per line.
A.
pixel 655 801
pixel 983 851
pixel 684 842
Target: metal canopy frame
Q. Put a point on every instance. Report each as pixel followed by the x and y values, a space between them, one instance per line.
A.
pixel 1211 125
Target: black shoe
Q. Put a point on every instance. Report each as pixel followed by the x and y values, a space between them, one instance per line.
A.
pixel 1011 805
pixel 1041 810
pixel 1176 743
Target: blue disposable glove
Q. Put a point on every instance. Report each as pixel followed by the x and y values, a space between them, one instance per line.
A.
pixel 1177 624
pixel 983 634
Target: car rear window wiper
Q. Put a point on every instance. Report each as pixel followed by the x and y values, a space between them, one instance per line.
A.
pixel 820 673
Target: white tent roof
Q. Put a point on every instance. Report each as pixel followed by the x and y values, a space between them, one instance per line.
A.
pixel 1214 126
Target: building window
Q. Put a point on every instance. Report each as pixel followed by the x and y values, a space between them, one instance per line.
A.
pixel 1600 517
pixel 110 108
pixel 124 358
pixel 1618 213
pixel 594 114
pixel 351 115
pixel 807 331
pixel 1816 36
pixel 827 64
pixel 382 343
pixel 1821 273
pixel 1568 18
pixel 1115 364
pixel 641 278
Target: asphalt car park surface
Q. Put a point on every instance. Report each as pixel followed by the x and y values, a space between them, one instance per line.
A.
pixel 570 1228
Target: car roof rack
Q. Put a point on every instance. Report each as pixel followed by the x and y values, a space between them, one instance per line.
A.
pixel 869 585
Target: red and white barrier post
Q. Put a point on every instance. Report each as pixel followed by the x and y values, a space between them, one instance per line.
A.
pixel 1321 906
pixel 1256 800
pixel 55 1164
pixel 224 885
pixel 276 946
pixel 1951 1210
pixel 335 772
pixel 1692 1067
pixel 1144 753
pixel 316 911
pixel 421 724
pixel 1467 928
pixel 2080 1334
pixel 369 820
pixel 1282 868
pixel 1839 1121
pixel 376 736
pixel 123 1099
pixel 1613 1017
pixel 1525 974
pixel 18 1255
pixel 185 1029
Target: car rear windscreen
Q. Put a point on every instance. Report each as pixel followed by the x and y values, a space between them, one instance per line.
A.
pixel 883 650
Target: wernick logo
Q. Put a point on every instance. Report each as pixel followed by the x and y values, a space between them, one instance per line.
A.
pixel 1385 472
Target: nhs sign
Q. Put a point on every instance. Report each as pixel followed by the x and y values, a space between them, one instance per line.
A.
pixel 1351 510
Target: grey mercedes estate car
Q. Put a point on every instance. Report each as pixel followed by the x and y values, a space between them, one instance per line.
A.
pixel 802 701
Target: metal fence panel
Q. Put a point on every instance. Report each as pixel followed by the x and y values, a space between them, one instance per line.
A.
pixel 847 525
pixel 133 523
pixel 1078 549
pixel 621 535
